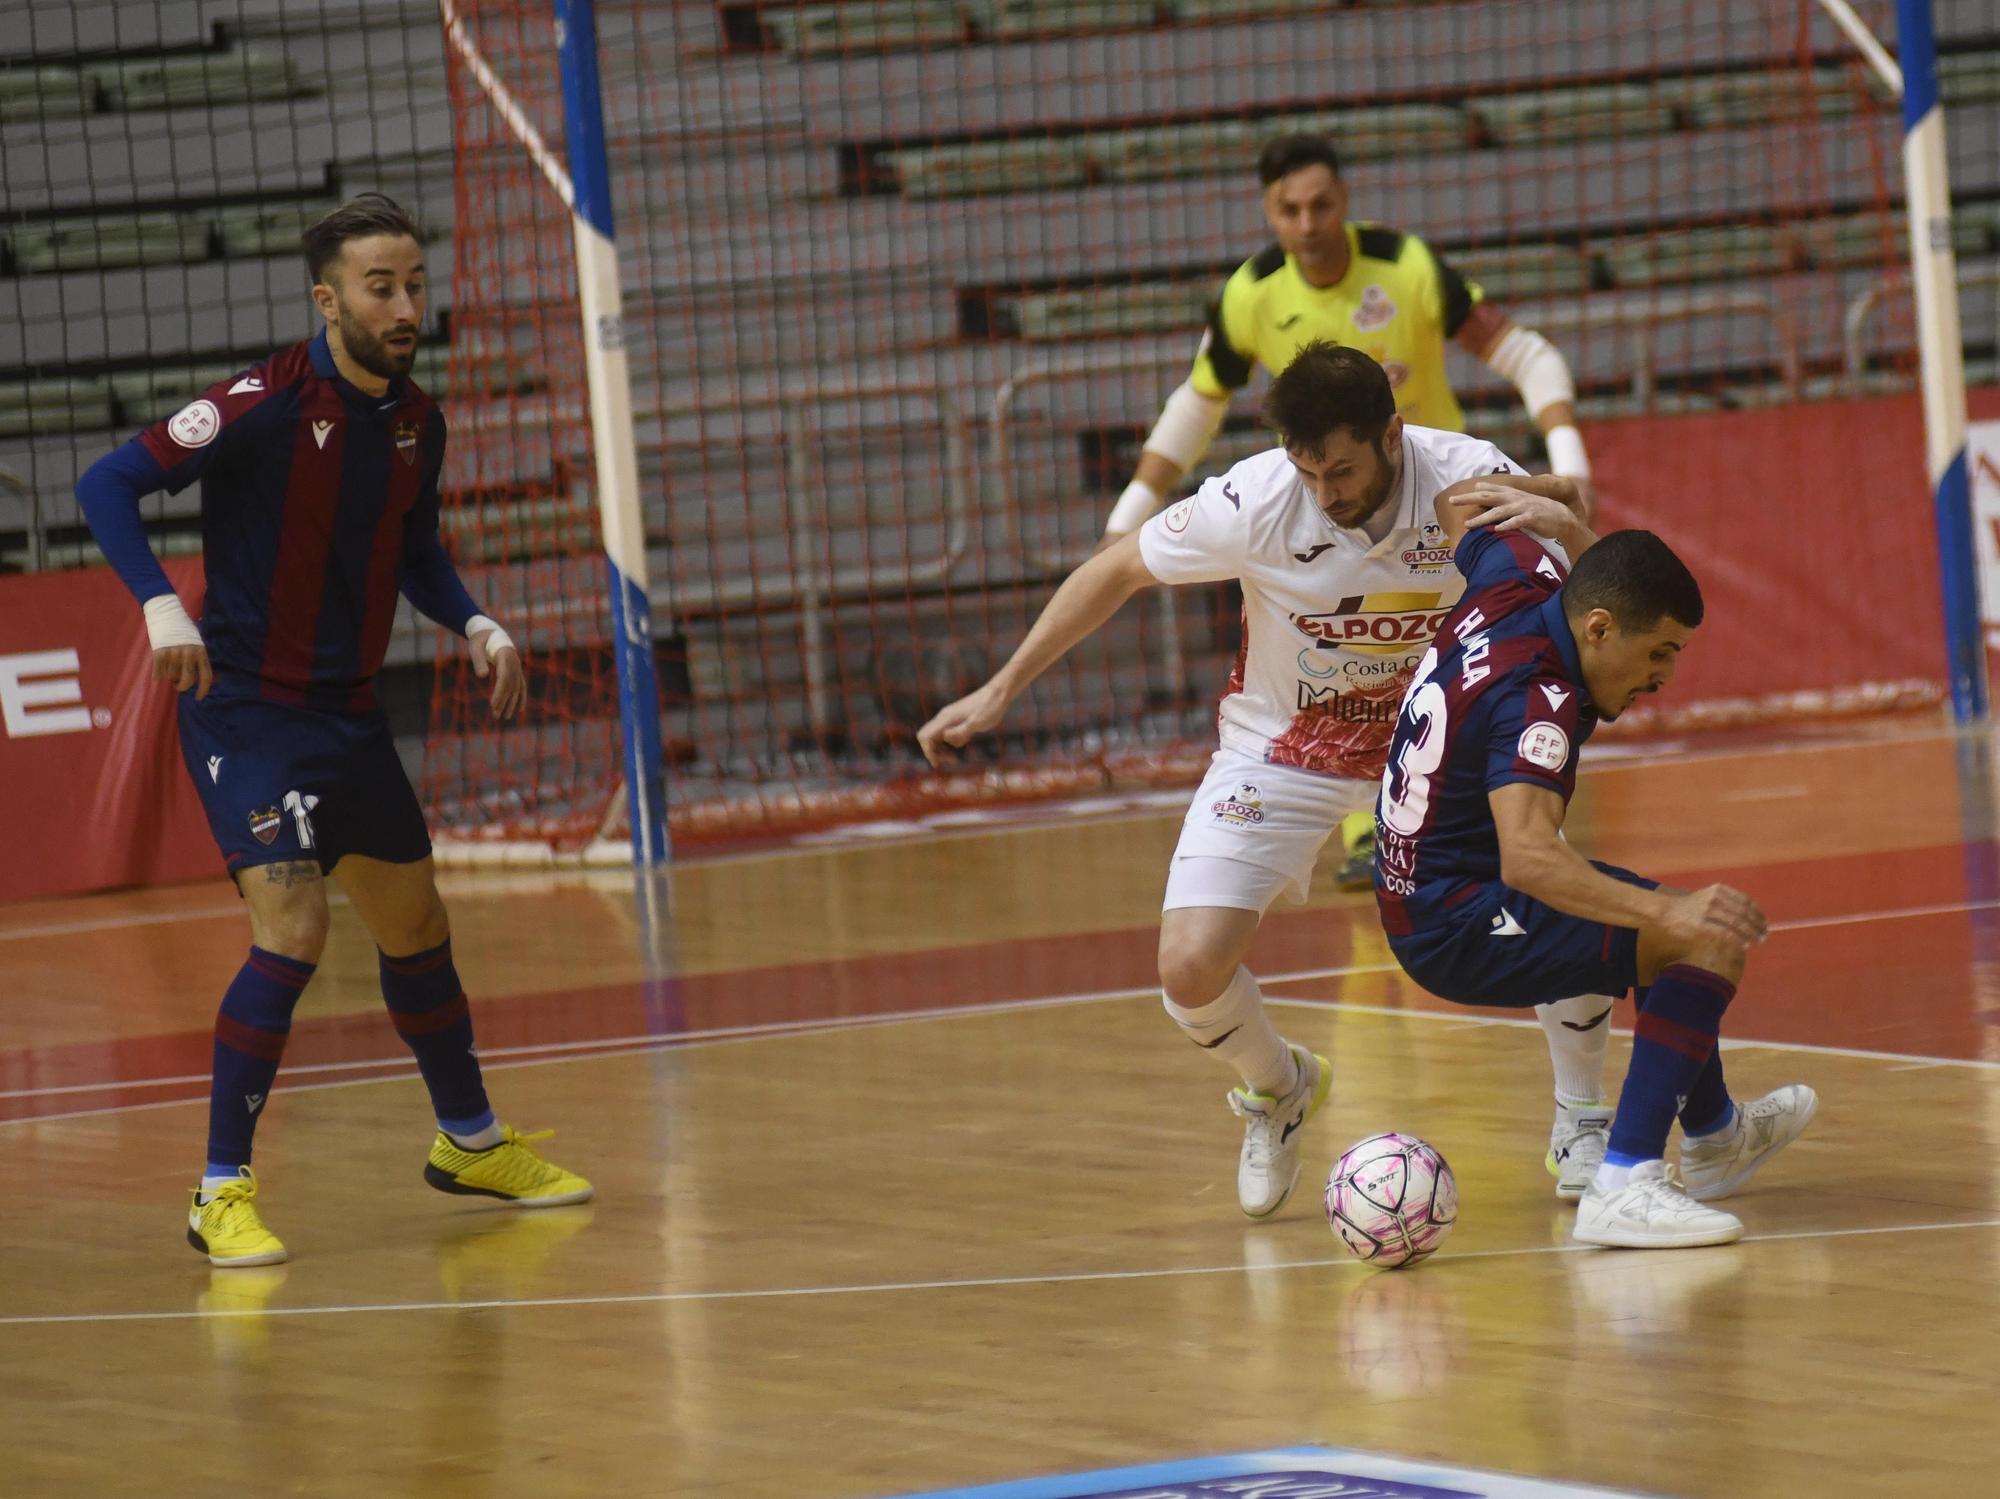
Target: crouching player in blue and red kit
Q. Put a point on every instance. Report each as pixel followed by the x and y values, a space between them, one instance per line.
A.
pixel 319 503
pixel 1485 903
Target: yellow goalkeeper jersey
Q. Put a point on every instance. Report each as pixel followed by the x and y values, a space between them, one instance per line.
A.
pixel 1398 303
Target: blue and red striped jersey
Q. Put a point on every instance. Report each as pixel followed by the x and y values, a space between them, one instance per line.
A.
pixel 319 503
pixel 1499 699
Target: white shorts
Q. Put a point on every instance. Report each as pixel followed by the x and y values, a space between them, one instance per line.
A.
pixel 1254 832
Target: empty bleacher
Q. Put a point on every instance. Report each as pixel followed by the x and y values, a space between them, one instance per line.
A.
pixel 950 195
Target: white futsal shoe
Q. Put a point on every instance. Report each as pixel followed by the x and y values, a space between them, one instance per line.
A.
pixel 1716 1165
pixel 1268 1168
pixel 1577 1142
pixel 1651 1211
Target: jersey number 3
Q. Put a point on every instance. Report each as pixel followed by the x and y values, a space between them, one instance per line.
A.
pixel 1406 779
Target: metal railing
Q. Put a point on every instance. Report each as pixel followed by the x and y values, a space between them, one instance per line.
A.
pixel 1861 312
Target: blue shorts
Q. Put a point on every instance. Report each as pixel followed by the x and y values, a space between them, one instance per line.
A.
pixel 282 783
pixel 1501 948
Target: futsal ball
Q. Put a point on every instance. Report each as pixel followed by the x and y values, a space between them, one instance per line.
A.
pixel 1392 1199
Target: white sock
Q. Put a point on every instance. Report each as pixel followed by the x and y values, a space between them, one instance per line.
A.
pixel 1611 1178
pixel 486 1139
pixel 1234 1026
pixel 1578 1032
pixel 213 1184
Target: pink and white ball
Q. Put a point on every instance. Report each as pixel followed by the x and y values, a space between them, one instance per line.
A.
pixel 1392 1199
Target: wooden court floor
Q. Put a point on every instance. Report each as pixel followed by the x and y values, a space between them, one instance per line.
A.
pixel 905 1184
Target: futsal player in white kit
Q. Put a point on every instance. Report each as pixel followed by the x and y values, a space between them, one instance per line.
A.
pixel 1346 577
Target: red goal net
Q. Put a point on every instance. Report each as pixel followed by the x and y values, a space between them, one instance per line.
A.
pixel 907 280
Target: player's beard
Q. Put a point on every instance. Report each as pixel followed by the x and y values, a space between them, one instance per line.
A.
pixel 373 354
pixel 1378 494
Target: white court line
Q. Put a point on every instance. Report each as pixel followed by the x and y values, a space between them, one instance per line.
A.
pixel 1668 756
pixel 114 923
pixel 970 1283
pixel 621 1046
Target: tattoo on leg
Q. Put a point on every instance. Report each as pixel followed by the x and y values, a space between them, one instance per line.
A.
pixel 291 875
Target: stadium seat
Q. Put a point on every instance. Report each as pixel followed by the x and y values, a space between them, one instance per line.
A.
pixel 1969 77
pixel 267 229
pixel 1525 270
pixel 1029 165
pixel 1387 130
pixel 814 30
pixel 229 77
pixel 107 242
pixel 1093 312
pixel 1239 10
pixel 1758 98
pixel 1559 115
pixel 1159 151
pixel 44 94
pixel 1719 253
pixel 1017 18
pixel 32 407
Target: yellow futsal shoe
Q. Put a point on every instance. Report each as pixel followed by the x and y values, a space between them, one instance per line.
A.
pixel 229 1229
pixel 510 1171
pixel 1357 838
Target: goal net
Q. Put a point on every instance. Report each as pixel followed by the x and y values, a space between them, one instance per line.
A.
pixel 907 281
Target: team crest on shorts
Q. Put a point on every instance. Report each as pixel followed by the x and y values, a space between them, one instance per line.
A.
pixel 1244 807
pixel 406 440
pixel 265 824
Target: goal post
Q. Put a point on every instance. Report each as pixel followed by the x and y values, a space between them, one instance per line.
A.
pixel 1941 351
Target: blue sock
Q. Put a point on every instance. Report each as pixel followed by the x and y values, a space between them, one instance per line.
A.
pixel 1673 1043
pixel 1708 1108
pixel 250 1032
pixel 427 1003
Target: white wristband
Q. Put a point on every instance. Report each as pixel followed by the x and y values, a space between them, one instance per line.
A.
pixel 1566 454
pixel 1135 507
pixel 167 622
pixel 496 639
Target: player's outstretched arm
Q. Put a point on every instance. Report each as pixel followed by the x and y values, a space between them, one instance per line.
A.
pixel 109 492
pixel 1088 597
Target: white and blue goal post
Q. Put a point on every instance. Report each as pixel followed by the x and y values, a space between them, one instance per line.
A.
pixel 1940 342
pixel 611 428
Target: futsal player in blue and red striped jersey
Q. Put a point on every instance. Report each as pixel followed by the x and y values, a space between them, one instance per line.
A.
pixel 1483 900
pixel 319 504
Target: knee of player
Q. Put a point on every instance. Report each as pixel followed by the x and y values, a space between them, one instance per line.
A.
pixel 422 926
pixel 296 929
pixel 1191 974
pixel 1717 955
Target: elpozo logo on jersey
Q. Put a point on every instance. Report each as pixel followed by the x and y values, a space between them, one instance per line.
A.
pixel 1431 553
pixel 1377 624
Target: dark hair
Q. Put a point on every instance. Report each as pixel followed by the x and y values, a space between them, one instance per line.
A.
pixel 370 213
pixel 1325 388
pixel 1635 576
pixel 1287 153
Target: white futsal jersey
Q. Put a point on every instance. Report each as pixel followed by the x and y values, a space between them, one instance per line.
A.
pixel 1334 624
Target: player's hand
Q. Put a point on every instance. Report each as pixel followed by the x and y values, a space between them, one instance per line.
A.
pixel 1505 508
pixel 954 724
pixel 510 681
pixel 1717 911
pixel 184 666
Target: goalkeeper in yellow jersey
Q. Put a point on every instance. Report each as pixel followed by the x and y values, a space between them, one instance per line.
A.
pixel 1370 288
